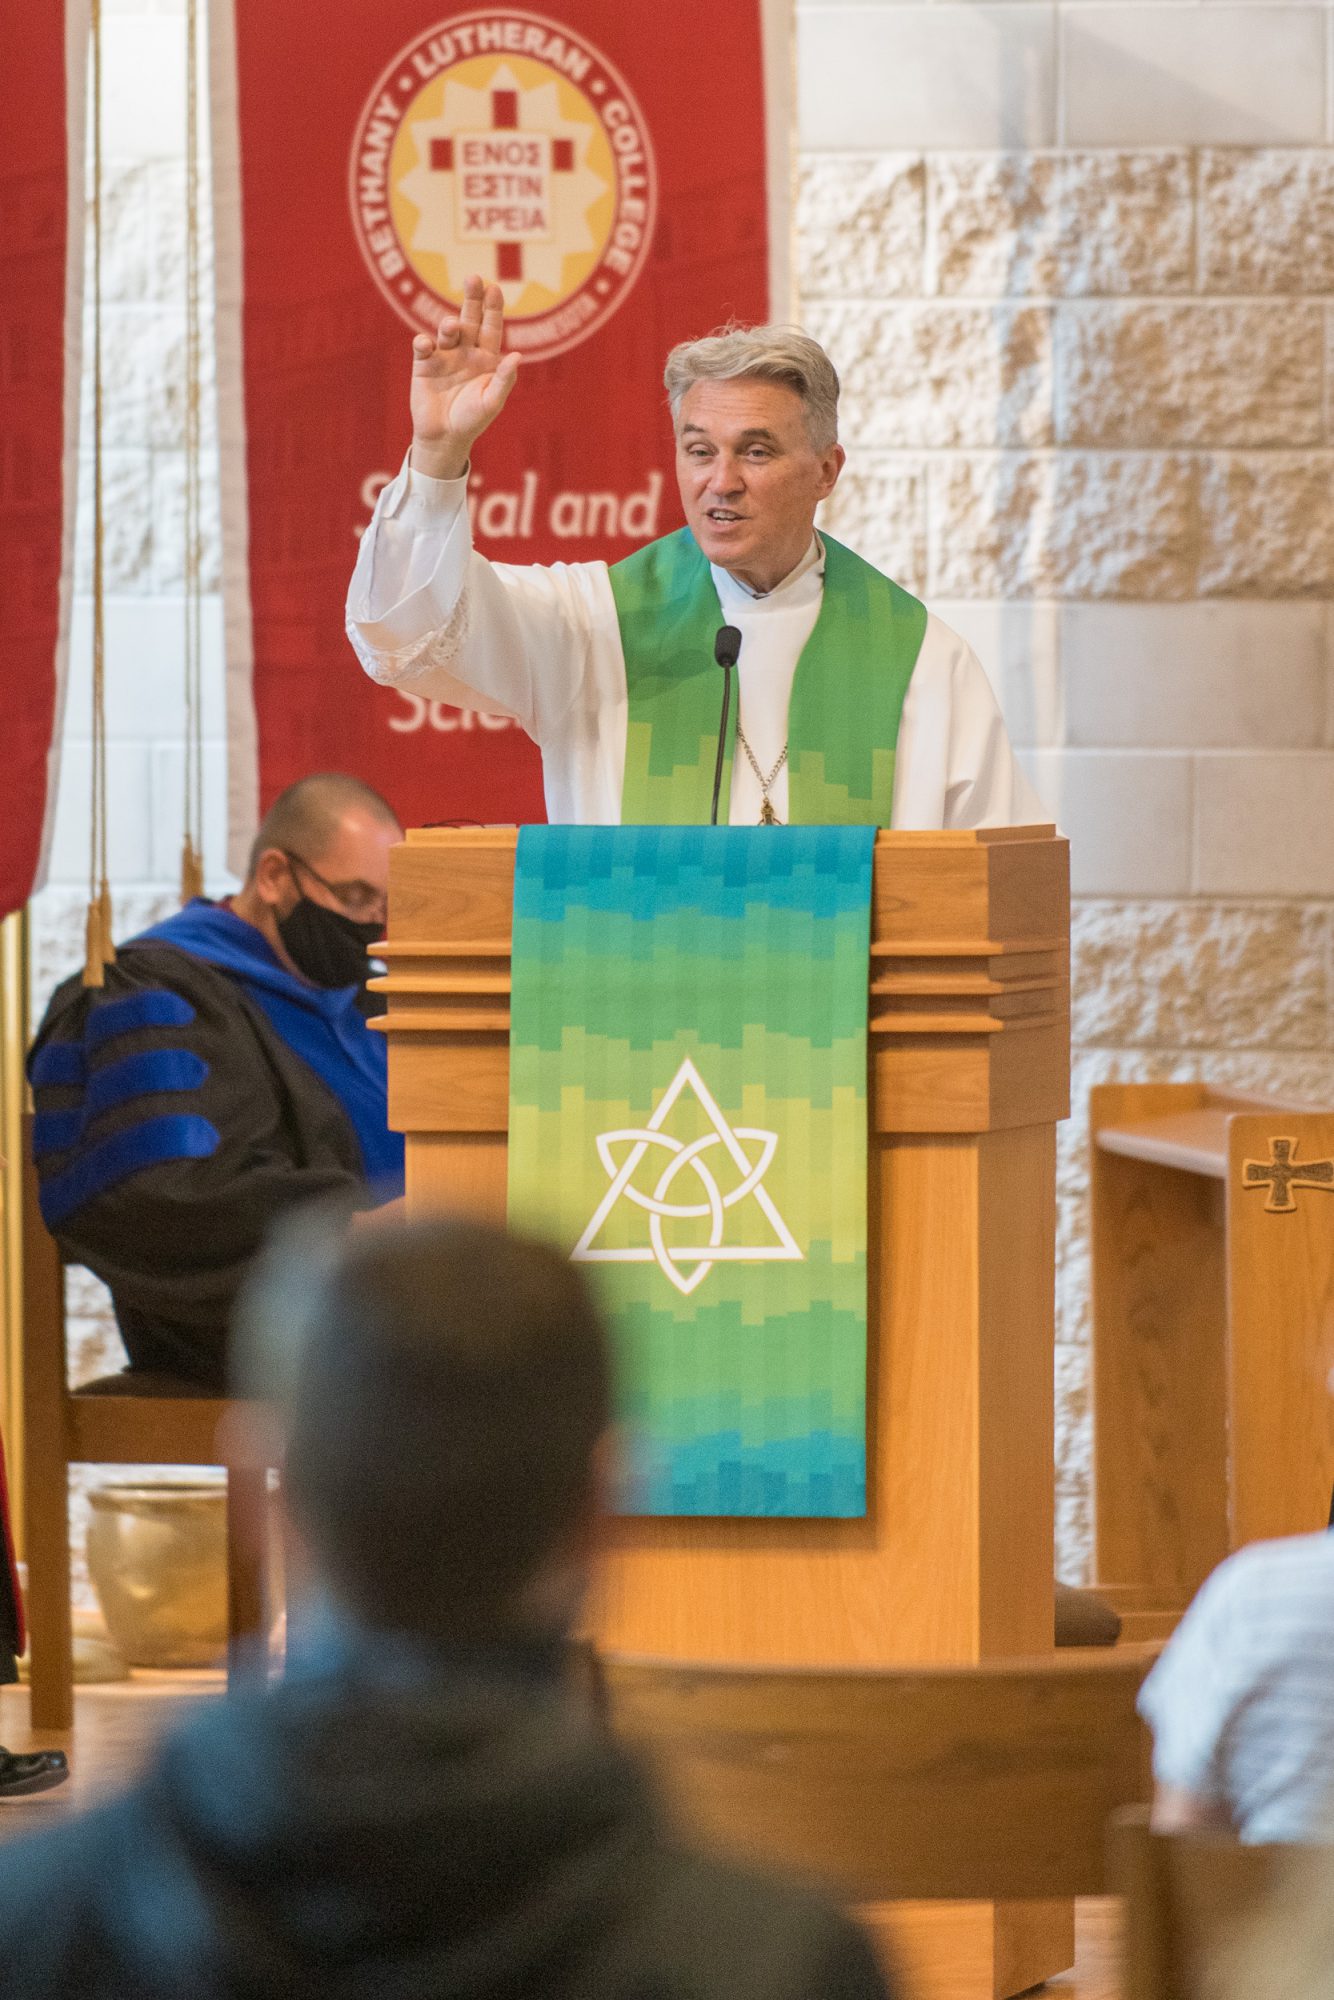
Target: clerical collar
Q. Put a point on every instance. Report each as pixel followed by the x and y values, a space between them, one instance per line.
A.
pixel 813 555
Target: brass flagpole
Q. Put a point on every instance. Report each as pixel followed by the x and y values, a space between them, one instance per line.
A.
pixel 192 846
pixel 15 1033
pixel 101 952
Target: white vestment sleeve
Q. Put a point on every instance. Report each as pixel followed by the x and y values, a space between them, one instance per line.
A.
pixel 954 766
pixel 425 611
pixel 542 644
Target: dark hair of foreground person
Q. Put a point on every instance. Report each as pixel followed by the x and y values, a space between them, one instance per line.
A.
pixel 447 1390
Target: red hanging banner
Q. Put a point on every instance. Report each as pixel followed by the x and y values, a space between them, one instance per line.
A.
pixel 621 172
pixel 41 163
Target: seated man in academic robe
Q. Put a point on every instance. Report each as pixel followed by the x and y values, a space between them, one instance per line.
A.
pixel 224 1073
pixel 855 706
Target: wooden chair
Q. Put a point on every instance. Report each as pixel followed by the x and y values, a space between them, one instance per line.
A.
pixel 981 1782
pixel 99 1424
pixel 1186 1896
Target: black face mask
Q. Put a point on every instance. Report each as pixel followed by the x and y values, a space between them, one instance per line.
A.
pixel 330 949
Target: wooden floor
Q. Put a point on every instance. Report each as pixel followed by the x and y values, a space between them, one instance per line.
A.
pixel 115 1728
pixel 1095 1974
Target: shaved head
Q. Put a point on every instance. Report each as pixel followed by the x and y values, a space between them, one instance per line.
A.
pixel 306 817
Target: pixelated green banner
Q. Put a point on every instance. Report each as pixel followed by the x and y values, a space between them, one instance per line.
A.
pixel 688 1118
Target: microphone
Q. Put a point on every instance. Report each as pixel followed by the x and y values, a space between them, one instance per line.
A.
pixel 726 651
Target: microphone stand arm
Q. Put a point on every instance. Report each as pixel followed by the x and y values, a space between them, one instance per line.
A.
pixel 722 739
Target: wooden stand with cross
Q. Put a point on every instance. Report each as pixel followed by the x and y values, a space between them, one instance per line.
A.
pixel 1213 1334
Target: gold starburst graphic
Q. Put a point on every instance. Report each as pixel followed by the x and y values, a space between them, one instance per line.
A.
pixel 514 166
pixel 502 143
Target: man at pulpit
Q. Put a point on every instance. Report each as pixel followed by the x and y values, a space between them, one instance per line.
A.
pixel 855 705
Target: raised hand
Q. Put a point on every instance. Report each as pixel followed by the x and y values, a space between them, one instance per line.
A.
pixel 460 381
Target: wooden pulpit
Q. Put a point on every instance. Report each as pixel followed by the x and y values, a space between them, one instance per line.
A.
pixel 969 1071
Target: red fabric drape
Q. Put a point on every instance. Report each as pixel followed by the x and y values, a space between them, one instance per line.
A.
pixel 334 164
pixel 33 240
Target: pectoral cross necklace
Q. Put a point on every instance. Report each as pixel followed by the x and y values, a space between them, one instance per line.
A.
pixel 768 817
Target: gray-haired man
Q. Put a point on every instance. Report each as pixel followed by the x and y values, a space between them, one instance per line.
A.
pixel 856 706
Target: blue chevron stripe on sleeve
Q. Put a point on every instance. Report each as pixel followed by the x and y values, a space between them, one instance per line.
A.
pixel 154 1008
pixel 57 1063
pixel 155 1143
pixel 55 1131
pixel 151 1071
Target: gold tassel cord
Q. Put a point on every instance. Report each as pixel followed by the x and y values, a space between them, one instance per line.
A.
pixel 192 871
pixel 100 951
pixel 192 846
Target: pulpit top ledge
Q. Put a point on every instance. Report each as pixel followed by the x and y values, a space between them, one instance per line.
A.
pixel 968 995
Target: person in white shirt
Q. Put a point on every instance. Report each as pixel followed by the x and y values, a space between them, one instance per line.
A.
pixel 855 705
pixel 1241 1704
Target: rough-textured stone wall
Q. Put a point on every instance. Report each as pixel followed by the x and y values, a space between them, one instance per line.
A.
pixel 1075 262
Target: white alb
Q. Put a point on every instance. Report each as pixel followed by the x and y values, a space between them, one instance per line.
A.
pixel 542 644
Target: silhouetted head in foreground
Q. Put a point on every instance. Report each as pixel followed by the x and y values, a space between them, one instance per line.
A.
pixel 443 1392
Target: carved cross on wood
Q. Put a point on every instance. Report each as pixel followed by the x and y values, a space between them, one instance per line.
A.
pixel 1281 1174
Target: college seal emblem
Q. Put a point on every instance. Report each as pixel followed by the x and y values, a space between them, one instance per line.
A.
pixel 501 142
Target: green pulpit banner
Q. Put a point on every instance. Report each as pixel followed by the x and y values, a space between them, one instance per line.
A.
pixel 688 1115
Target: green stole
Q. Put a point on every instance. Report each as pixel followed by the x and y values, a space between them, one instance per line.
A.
pixel 847 693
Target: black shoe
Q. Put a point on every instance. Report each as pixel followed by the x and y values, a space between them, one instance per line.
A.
pixel 20 1777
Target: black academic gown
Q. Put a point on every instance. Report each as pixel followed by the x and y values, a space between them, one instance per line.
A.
pixel 174 1126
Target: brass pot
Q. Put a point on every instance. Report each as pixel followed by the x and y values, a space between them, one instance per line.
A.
pixel 157 1556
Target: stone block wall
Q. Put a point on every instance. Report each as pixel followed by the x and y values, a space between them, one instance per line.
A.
pixel 1075 262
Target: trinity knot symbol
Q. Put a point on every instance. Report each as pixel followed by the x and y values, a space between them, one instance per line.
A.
pixel 502 142
pixel 1281 1173
pixel 690 1168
